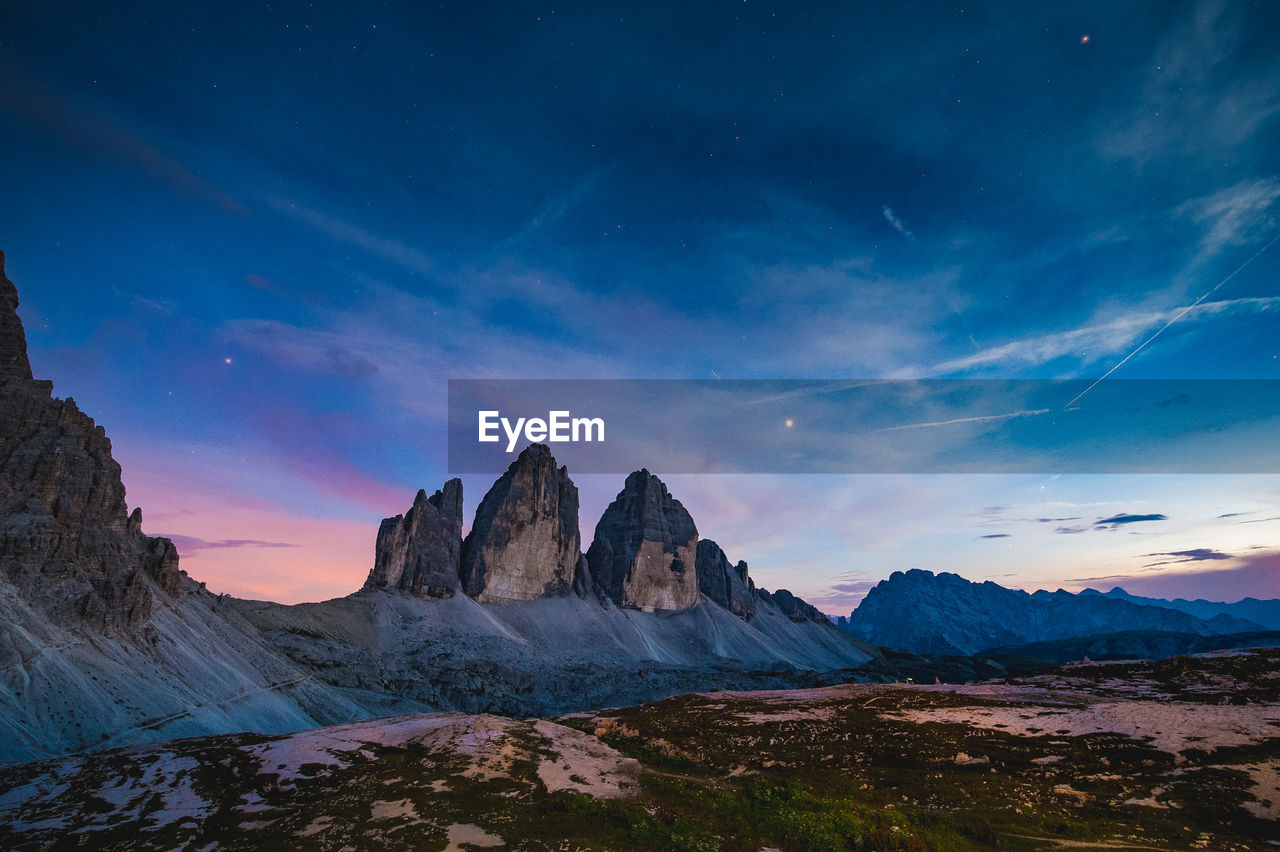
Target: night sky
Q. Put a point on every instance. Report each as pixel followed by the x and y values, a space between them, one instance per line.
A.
pixel 254 243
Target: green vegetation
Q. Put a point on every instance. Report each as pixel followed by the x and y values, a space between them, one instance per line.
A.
pixel 812 771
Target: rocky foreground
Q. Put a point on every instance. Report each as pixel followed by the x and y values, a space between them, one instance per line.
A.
pixel 1178 754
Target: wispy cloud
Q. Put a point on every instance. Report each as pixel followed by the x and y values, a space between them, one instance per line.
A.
pixel 1121 519
pixel 259 282
pixel 188 546
pixel 895 222
pixel 1233 216
pixel 1199 554
pixel 1186 106
pixel 312 348
pixel 410 258
pixel 100 133
pixel 1092 342
pixel 553 209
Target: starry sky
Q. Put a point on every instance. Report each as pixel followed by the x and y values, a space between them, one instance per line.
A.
pixel 255 241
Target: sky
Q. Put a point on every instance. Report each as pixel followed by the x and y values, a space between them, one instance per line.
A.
pixel 255 241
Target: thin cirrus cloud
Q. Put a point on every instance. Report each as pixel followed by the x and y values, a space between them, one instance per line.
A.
pixel 1233 216
pixel 403 254
pixel 1092 342
pixel 189 545
pixel 1185 105
pixel 99 133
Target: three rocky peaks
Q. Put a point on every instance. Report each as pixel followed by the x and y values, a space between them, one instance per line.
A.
pixel 105 642
pixel 70 544
pixel 525 544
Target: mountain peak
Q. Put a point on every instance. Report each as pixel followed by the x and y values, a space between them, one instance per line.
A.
pixel 644 553
pixel 420 551
pixel 81 554
pixel 525 543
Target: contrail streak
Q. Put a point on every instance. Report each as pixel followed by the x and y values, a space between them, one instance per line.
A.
pixel 982 419
pixel 1182 314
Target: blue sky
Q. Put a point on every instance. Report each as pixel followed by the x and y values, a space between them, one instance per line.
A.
pixel 255 243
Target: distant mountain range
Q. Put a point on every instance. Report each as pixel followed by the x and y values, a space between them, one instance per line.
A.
pixel 928 613
pixel 104 641
pixel 1262 612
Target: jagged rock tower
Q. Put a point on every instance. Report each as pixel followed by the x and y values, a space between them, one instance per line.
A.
pixel 420 552
pixel 644 553
pixel 68 544
pixel 724 583
pixel 525 542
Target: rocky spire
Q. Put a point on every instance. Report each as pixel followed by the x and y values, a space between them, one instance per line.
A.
pixel 724 583
pixel 13 341
pixel 644 552
pixel 525 542
pixel 69 547
pixel 420 552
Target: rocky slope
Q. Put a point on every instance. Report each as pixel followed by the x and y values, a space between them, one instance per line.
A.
pixel 644 553
pixel 946 614
pixel 551 655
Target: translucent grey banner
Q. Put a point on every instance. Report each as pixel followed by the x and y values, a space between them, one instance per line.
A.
pixel 840 426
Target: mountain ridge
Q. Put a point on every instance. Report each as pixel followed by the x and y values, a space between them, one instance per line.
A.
pixel 944 613
pixel 1260 611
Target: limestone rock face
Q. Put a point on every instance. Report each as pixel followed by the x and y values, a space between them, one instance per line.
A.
pixel 67 542
pixel 420 552
pixel 725 584
pixel 644 553
pixel 525 542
